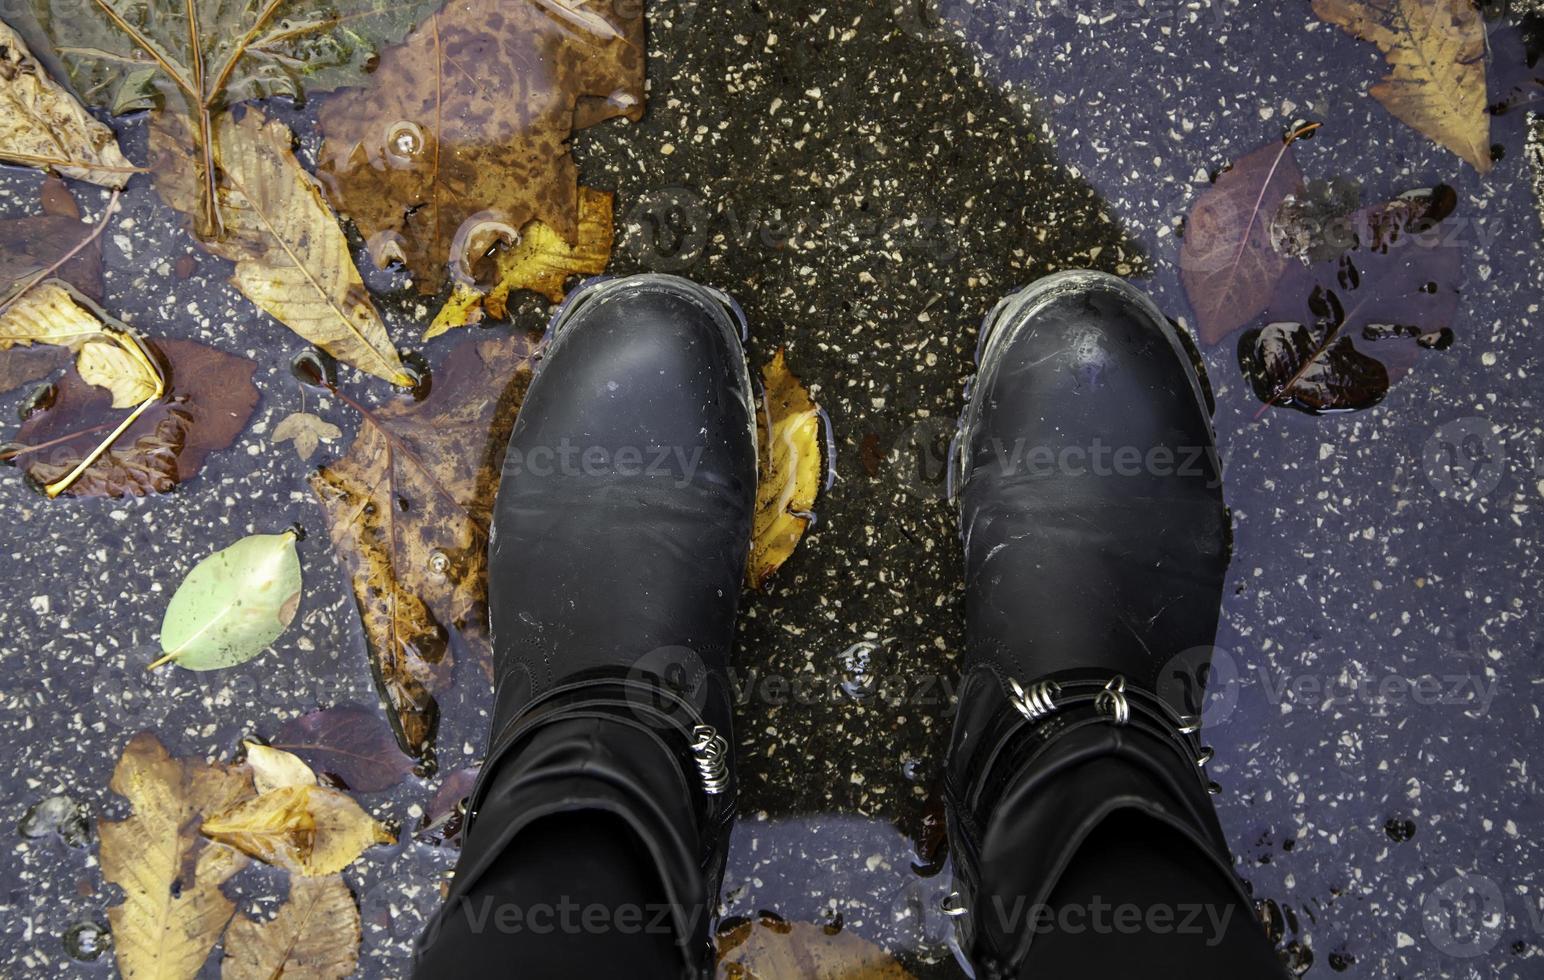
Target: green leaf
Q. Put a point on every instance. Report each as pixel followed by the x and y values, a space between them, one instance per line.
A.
pixel 233 604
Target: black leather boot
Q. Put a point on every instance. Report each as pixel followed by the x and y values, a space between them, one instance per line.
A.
pixel 618 547
pixel 1095 542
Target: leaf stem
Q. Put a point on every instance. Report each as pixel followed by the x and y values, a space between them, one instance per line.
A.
pixel 132 347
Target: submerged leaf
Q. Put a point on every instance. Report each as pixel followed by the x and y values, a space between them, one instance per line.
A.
pixel 20 367
pixel 56 238
pixel 291 257
pixel 172 911
pixel 306 830
pixel 351 743
pixel 205 55
pixel 1436 55
pixel 792 466
pixel 233 604
pixel 306 431
pixel 1312 369
pixel 465 125
pixel 314 935
pixel 407 508
pixel 211 399
pixel 541 262
pixel 771 947
pixel 1228 262
pixel 41 125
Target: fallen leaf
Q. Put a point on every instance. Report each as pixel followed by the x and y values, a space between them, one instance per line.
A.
pixel 444 817
pixel 768 948
pixel 291 257
pixel 173 910
pixel 233 604
pixel 792 465
pixel 1313 368
pixel 541 262
pixel 109 365
pixel 127 55
pixel 351 743
pixel 306 431
pixel 1436 55
pixel 30 245
pixel 1228 262
pixel 461 137
pixel 314 935
pixel 42 125
pixel 21 367
pixel 407 508
pixel 212 398
pixel 306 830
pixel 274 768
pixel 49 313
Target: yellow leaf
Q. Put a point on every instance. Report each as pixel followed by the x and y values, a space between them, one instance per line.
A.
pixel 42 125
pixel 274 768
pixel 48 314
pixel 291 257
pixel 306 431
pixel 791 464
pixel 172 910
pixel 1436 55
pixel 108 365
pixel 771 949
pixel 541 262
pixel 307 830
pixel 315 935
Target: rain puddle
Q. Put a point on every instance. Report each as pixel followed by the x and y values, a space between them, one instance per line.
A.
pixel 866 183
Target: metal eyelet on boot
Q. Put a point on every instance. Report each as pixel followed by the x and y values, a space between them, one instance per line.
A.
pixel 1205 755
pixel 952 906
pixel 712 754
pixel 1112 701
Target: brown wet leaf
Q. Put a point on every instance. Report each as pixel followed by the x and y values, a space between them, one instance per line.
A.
pixel 768 948
pixel 306 830
pixel 350 743
pixel 211 399
pixel 461 138
pixel 41 124
pixel 31 244
pixel 21 367
pixel 172 911
pixel 291 257
pixel 791 464
pixel 1228 262
pixel 314 935
pixel 407 509
pixel 541 262
pixel 1436 55
pixel 444 817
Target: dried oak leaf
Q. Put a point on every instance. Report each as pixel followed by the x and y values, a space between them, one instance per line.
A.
pixel 315 934
pixel 291 257
pixel 407 509
pixel 461 137
pixel 1228 263
pixel 774 948
pixel 126 55
pixel 173 911
pixel 351 743
pixel 211 399
pixel 31 244
pixel 1436 55
pixel 41 124
pixel 541 262
pixel 792 464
